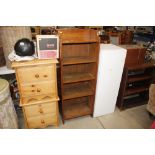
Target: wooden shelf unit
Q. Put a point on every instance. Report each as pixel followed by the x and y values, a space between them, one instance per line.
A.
pixel 134 89
pixel 136 79
pixel 79 50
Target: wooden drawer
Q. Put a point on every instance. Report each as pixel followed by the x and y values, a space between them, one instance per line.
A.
pixel 36 74
pixel 38 99
pixel 40 109
pixel 42 121
pixel 38 89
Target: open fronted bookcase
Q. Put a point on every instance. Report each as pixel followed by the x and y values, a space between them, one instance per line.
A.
pixel 136 79
pixel 79 50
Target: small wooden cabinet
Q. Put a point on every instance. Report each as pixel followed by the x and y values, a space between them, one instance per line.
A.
pixel 121 38
pixel 37 85
pixel 136 79
pixel 79 50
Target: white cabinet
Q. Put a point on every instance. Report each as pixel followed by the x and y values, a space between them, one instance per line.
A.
pixel 111 64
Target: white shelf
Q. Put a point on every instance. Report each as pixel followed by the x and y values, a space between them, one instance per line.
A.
pixel 5 70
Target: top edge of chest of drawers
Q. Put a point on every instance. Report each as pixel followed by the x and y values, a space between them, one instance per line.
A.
pixel 34 62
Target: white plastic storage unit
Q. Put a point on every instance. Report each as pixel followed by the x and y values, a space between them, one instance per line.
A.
pixel 111 64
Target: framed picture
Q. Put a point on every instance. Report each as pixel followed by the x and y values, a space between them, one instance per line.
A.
pixel 47 46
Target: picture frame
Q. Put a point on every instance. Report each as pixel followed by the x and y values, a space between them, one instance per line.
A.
pixel 47 46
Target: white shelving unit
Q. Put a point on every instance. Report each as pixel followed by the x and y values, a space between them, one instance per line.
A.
pixel 4 70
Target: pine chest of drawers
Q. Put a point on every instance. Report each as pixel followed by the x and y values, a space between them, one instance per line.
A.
pixel 37 84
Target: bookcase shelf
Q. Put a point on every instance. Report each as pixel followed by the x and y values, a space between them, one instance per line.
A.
pixel 79 50
pixel 77 107
pixel 78 60
pixel 131 91
pixel 135 101
pixel 76 77
pixel 77 90
pixel 139 78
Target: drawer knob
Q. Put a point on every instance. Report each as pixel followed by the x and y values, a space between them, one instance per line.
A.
pixel 33 85
pixel 38 90
pixel 37 75
pixel 45 76
pixel 33 90
pixel 42 121
pixel 41 111
pixel 39 105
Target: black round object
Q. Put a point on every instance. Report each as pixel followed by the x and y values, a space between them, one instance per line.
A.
pixel 24 47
